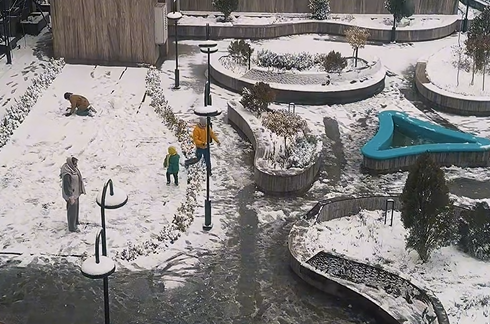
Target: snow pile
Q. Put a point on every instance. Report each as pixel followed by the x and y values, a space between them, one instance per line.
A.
pixel 458 280
pixel 16 114
pixel 185 212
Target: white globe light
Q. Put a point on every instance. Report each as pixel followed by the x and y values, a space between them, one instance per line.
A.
pixel 119 199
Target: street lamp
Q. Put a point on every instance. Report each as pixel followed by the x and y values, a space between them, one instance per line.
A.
pixel 207 111
pixel 101 266
pixel 208 47
pixel 175 16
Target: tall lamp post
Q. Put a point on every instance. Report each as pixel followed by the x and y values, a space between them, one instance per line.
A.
pixel 207 111
pixel 175 16
pixel 208 47
pixel 465 20
pixel 6 30
pixel 98 267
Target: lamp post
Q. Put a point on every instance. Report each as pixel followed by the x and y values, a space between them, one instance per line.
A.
pixel 6 30
pixel 175 16
pixel 98 267
pixel 207 111
pixel 465 20
pixel 208 47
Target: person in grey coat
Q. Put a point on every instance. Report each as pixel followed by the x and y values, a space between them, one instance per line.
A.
pixel 73 187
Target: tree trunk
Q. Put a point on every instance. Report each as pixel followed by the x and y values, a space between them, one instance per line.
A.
pixel 357 54
pixel 286 146
pixel 473 73
pixel 484 73
pixel 393 30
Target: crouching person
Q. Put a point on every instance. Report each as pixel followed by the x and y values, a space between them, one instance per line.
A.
pixel 172 164
pixel 79 105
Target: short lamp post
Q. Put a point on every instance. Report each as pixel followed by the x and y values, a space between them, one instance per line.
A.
pixel 175 16
pixel 465 20
pixel 100 266
pixel 208 47
pixel 207 111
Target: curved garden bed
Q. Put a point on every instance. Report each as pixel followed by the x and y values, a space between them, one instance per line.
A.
pixel 448 101
pixel 371 82
pixel 311 27
pixel 385 294
pixel 276 182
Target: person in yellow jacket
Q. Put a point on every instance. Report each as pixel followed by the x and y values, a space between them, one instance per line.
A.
pixel 199 136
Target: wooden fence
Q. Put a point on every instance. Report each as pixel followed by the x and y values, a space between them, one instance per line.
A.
pixel 104 31
pixel 447 7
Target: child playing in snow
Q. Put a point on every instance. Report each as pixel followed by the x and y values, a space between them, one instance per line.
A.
pixel 172 164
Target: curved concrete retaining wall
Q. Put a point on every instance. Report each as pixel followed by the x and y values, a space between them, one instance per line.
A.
pixel 446 102
pixel 272 182
pixel 303 97
pixel 309 27
pixel 336 208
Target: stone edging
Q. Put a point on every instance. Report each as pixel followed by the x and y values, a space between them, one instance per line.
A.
pixel 310 27
pixel 337 208
pixel 275 183
pixel 444 100
pixel 304 95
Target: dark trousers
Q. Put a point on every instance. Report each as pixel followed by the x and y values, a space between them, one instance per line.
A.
pixel 200 153
pixel 72 215
pixel 176 177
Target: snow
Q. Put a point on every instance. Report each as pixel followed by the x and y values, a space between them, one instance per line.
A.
pixel 92 268
pixel 374 21
pixel 207 111
pixel 116 200
pixel 472 12
pixel 442 70
pixel 208 43
pixel 458 280
pixel 174 15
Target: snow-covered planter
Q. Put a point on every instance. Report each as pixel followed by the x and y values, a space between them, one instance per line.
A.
pixel 185 212
pixel 16 114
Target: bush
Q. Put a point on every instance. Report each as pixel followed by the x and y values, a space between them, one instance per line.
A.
pixel 258 97
pixel 320 9
pixel 334 62
pixel 474 231
pixel 240 51
pixel 226 7
pixel 288 61
pixel 426 209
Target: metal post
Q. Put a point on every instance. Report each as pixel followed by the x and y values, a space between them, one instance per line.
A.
pixel 386 210
pixel 177 73
pixel 207 203
pixel 6 29
pixel 102 213
pixel 465 20
pixel 249 56
pixel 208 100
pixel 388 202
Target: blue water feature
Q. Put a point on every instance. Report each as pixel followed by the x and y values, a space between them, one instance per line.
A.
pixel 401 135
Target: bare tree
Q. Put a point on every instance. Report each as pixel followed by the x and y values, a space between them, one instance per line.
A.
pixel 285 124
pixel 357 38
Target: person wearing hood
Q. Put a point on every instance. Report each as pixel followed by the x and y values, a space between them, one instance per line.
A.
pixel 171 162
pixel 79 105
pixel 72 188
pixel 199 136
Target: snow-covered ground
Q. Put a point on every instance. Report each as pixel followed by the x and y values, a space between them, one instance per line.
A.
pixel 442 71
pixel 375 21
pixel 458 280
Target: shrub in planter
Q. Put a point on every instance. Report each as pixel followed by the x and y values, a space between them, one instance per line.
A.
pixel 319 9
pixel 258 97
pixel 240 51
pixel 226 7
pixel 288 61
pixel 284 124
pixel 474 231
pixel 334 62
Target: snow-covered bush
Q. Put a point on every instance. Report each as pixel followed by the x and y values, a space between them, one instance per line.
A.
pixel 320 9
pixel 474 231
pixel 226 7
pixel 334 62
pixel 15 115
pixel 258 97
pixel 240 51
pixel 184 216
pixel 288 61
pixel 302 152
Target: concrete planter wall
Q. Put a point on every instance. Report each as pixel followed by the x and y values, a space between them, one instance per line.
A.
pixel 336 208
pixel 310 27
pixel 307 96
pixel 444 101
pixel 272 182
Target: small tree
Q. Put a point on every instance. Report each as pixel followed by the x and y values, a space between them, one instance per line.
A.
pixel 240 51
pixel 426 208
pixel 399 9
pixel 474 231
pixel 258 97
pixel 357 38
pixel 333 62
pixel 478 43
pixel 226 7
pixel 285 124
pixel 320 9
